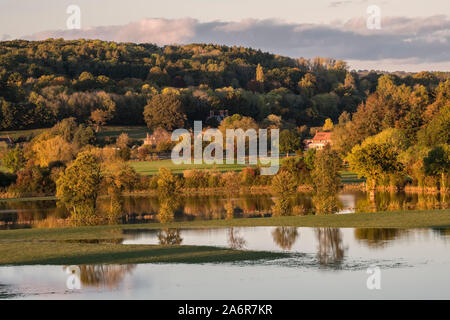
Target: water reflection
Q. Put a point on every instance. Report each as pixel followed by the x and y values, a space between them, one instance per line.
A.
pixel 170 237
pixel 330 249
pixel 377 237
pixel 285 237
pixel 140 209
pixel 325 263
pixel 235 240
pixel 107 276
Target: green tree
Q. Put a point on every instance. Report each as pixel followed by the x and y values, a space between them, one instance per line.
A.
pixel 78 187
pixel 374 161
pixel 164 110
pixel 284 186
pixel 326 180
pixel 14 159
pixel 437 163
pixel 168 184
pixel 289 142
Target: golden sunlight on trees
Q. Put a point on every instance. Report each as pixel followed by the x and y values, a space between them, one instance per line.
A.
pixel 374 161
pixel 166 111
pixel 284 185
pixel 328 125
pixel 78 186
pixel 326 180
pixel 52 150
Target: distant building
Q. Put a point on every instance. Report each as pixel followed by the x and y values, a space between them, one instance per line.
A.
pixel 158 136
pixel 320 140
pixel 219 117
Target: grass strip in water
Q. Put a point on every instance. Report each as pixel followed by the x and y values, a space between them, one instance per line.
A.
pixel 63 253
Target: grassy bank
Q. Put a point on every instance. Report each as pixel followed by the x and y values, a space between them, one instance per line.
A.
pixel 63 253
pixel 391 219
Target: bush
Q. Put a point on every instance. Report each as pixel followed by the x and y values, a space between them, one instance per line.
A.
pixel 248 177
pixel 196 179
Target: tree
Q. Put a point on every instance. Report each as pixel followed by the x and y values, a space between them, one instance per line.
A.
pixel 328 125
pixel 78 187
pixel 259 74
pixel 437 163
pixel 99 118
pixel 123 140
pixel 168 184
pixel 289 142
pixel 326 180
pixel 236 121
pixel 117 176
pixel 307 85
pixel 34 181
pixel 284 185
pixel 52 150
pixel 164 110
pixel 14 159
pixel 373 161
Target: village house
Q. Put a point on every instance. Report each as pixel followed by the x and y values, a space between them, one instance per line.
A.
pixel 158 136
pixel 320 140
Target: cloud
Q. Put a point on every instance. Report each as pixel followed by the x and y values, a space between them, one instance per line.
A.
pixel 424 40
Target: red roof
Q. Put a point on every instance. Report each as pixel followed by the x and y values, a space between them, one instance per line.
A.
pixel 321 136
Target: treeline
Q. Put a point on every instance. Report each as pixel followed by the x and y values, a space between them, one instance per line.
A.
pixel 43 82
pixel 400 135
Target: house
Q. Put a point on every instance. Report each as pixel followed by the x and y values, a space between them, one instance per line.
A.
pixel 321 139
pixel 158 136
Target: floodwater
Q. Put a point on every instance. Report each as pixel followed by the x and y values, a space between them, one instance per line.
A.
pixel 323 263
pixel 142 209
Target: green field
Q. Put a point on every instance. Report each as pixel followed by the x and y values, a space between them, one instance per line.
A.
pixel 14 134
pixel 150 168
pixel 134 132
pixel 348 177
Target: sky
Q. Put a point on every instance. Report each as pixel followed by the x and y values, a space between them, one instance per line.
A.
pixel 414 34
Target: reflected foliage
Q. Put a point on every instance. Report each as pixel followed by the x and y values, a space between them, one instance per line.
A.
pixel 109 276
pixel 377 237
pixel 169 236
pixel 235 240
pixel 285 237
pixel 331 250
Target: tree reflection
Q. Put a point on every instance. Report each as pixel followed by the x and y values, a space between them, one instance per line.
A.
pixel 167 210
pixel 103 275
pixel 331 249
pixel 169 236
pixel 376 237
pixel 235 240
pixel 285 237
